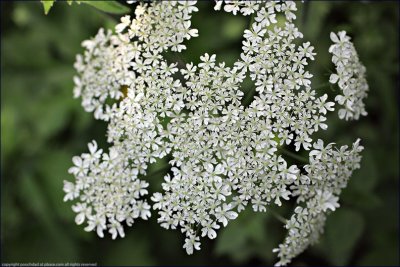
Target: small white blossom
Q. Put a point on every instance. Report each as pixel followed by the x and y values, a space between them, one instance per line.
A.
pixel 350 76
pixel 191 243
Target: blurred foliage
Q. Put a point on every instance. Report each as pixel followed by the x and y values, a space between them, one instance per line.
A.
pixel 109 6
pixel 48 4
pixel 42 127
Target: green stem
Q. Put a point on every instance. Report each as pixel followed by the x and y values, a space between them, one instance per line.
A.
pixel 278 216
pixel 293 155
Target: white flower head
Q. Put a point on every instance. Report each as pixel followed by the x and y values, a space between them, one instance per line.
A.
pixel 350 76
pixel 225 149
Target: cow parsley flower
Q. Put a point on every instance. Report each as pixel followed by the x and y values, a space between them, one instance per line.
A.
pixel 106 190
pixel 225 156
pixel 350 76
pixel 317 194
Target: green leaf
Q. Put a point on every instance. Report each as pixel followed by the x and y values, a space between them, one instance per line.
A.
pixel 243 237
pixel 108 6
pixel 112 7
pixel 344 228
pixel 232 241
pixel 366 178
pixel 47 4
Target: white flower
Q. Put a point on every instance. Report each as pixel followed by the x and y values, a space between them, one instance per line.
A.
pixel 71 192
pixel 224 214
pixel 208 230
pixel 321 196
pixel 125 22
pixel 350 77
pixel 191 243
pixel 81 167
pixel 224 147
pixel 115 229
pixel 327 200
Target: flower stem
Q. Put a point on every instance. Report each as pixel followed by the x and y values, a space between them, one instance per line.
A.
pixel 277 216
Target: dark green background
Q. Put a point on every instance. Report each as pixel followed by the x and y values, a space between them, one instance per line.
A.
pixel 42 127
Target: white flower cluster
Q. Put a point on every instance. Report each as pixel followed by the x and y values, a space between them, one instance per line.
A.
pixel 107 193
pixel 101 77
pixel 350 76
pixel 326 175
pixel 225 155
pixel 107 185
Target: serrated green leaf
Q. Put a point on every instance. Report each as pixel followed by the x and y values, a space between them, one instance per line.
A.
pixel 112 7
pixel 47 4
